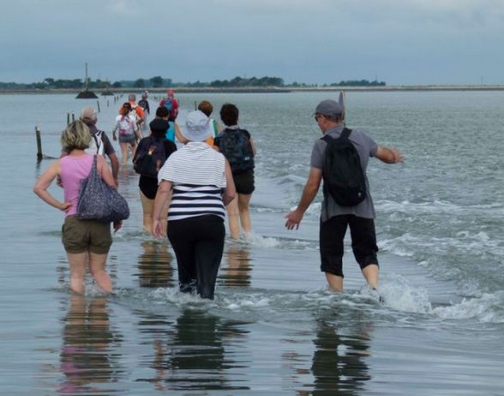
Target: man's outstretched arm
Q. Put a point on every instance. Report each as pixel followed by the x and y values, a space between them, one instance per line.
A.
pixel 309 193
pixel 389 155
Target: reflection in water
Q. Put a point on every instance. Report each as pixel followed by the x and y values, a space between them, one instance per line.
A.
pixel 154 265
pixel 126 173
pixel 87 361
pixel 194 356
pixel 339 365
pixel 237 268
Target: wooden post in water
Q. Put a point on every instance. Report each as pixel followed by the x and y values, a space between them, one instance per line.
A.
pixel 68 119
pixel 73 116
pixel 39 144
pixel 98 103
pixel 107 103
pixel 195 106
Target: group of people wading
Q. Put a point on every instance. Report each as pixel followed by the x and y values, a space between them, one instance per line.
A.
pixel 187 192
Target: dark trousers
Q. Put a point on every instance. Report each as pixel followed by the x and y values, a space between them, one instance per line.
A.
pixel 198 243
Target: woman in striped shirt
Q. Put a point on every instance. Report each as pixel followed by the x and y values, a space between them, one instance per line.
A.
pixel 201 184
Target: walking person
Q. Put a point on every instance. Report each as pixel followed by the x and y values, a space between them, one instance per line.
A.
pixel 206 107
pixel 144 104
pixel 100 143
pixel 238 147
pixel 171 104
pixel 82 239
pixel 348 211
pixel 127 128
pixel 137 112
pixel 200 182
pixel 150 156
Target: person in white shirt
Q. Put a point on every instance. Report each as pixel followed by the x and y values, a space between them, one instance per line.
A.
pixel 128 130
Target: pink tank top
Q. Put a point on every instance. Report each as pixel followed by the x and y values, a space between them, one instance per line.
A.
pixel 73 170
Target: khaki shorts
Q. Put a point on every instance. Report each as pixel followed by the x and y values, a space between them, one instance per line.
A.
pixel 86 235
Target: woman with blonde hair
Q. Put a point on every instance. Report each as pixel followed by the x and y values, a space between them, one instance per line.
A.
pixel 128 131
pixel 82 239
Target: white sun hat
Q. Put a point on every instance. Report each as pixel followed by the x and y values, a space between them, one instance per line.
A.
pixel 197 127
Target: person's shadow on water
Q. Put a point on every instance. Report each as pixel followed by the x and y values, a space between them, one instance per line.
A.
pixel 89 359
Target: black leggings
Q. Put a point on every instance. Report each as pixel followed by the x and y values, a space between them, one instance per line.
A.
pixel 198 243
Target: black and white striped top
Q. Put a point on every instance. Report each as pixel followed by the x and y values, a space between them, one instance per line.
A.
pixel 189 200
pixel 198 174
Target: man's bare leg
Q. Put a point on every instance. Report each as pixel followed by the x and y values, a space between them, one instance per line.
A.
pixel 335 282
pixel 371 273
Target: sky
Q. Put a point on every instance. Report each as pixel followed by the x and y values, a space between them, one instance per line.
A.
pixel 400 42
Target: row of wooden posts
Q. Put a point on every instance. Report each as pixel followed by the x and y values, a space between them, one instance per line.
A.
pixel 70 119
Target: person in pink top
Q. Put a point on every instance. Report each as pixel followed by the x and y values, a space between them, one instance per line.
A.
pixel 83 240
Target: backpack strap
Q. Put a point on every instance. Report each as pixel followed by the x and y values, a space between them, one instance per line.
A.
pixel 326 138
pixel 98 140
pixel 345 133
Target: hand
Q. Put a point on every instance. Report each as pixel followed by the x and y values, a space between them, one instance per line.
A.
pixel 114 137
pixel 398 156
pixel 117 225
pixel 65 206
pixel 293 219
pixel 157 229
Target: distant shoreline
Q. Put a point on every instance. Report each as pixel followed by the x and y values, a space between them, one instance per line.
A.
pixel 397 88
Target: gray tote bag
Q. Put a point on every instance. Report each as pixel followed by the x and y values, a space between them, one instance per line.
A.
pixel 99 201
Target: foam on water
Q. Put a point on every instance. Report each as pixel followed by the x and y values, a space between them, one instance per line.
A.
pixel 255 239
pixel 486 309
pixel 400 295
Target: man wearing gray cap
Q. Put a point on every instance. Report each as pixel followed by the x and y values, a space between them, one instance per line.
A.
pixel 336 217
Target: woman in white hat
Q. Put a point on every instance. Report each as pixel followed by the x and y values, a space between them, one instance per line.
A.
pixel 201 184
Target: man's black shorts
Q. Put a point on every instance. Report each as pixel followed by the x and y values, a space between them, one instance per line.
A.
pixel 332 235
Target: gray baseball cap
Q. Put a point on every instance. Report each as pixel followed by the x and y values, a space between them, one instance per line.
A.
pixel 330 108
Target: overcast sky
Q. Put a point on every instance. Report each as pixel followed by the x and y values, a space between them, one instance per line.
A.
pixel 313 41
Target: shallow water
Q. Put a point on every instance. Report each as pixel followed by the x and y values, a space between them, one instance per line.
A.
pixel 273 328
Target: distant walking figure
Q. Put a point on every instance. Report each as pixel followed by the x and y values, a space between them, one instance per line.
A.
pixel 342 155
pixel 127 128
pixel 171 104
pixel 238 147
pixel 82 239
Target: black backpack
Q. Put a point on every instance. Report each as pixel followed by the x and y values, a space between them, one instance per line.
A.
pixel 235 145
pixel 343 175
pixel 150 157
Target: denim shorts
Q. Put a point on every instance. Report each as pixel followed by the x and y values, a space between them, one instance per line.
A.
pixel 127 138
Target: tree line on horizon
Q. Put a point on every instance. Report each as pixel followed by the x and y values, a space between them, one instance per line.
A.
pixel 160 82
